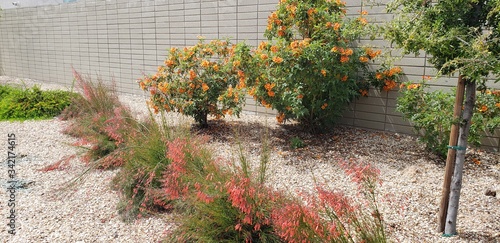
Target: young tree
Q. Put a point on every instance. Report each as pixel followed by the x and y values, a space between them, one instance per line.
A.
pixel 462 36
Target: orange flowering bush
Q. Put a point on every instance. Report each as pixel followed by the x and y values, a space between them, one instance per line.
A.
pixel 207 78
pixel 310 70
pixel 431 114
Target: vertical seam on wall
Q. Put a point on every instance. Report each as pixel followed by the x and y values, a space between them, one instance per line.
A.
pixel 184 24
pixel 88 40
pixel 107 42
pixel 218 21
pixel 130 42
pixel 142 40
pixel 237 21
pixel 201 28
pixel 425 64
pixel 169 26
pixel 156 38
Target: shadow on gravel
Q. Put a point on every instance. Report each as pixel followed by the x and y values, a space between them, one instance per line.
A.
pixel 479 237
pixel 398 151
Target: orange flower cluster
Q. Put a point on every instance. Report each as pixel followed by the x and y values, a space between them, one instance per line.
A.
pixel 280 117
pixel 363 92
pixel 336 26
pixel 265 104
pixel 363 59
pixel 192 75
pixel 370 55
pixel 205 87
pixel 483 109
pixel 393 71
pixel 388 77
pixel 363 21
pixel 269 88
pixel 344 53
pixel 344 59
pixel 205 63
pixel 242 80
pixel 311 12
pixel 389 85
pixel 277 60
pixel 413 86
pixel 163 87
pixel 169 63
pixel 274 49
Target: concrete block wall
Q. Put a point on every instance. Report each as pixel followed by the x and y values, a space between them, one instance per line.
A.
pixel 121 40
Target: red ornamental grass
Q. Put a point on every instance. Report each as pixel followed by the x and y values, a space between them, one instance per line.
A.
pixel 336 201
pixel 112 160
pixel 58 165
pixel 172 180
pixel 116 126
pixel 239 190
pixel 297 223
pixel 363 174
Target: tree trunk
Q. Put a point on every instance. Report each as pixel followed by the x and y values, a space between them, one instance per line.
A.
pixel 201 118
pixel 456 185
pixel 450 158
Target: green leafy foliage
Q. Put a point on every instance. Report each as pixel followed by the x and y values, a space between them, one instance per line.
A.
pixel 32 103
pixel 296 143
pixel 204 79
pixel 310 69
pixel 431 115
pixel 461 35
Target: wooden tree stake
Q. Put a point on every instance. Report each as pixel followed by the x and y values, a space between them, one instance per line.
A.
pixel 450 158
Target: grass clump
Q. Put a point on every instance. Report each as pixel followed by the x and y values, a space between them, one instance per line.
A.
pixel 32 103
pixel 140 181
pixel 100 121
pixel 223 203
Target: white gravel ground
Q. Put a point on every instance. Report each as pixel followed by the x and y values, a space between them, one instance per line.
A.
pixel 50 209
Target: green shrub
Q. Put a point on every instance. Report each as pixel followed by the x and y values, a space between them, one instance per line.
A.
pixel 32 103
pixel 200 80
pixel 5 90
pixel 296 143
pixel 431 114
pixel 310 70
